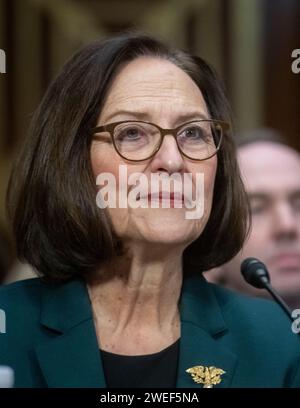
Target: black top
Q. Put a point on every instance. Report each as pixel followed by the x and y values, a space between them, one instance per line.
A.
pixel 149 371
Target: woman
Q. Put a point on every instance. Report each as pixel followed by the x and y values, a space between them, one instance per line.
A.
pixel 121 301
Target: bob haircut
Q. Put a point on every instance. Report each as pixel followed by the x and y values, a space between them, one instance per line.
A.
pixel 51 198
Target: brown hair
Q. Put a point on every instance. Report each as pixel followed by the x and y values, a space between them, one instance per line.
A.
pixel 6 254
pixel 51 197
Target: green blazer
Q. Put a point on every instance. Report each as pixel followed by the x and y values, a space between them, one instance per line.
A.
pixel 50 338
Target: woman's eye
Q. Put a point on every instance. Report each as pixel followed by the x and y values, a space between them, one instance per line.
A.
pixel 130 134
pixel 194 132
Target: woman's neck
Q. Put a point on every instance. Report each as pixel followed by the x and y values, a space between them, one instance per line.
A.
pixel 136 311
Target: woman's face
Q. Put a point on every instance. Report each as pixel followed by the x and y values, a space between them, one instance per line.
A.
pixel 156 91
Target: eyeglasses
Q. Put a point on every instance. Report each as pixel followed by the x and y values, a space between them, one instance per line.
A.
pixel 138 140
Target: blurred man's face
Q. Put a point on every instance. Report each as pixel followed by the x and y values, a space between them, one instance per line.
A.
pixel 271 173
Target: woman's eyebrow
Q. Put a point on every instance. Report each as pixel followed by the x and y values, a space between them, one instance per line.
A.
pixel 180 117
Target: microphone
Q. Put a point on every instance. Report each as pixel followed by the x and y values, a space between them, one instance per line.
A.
pixel 256 274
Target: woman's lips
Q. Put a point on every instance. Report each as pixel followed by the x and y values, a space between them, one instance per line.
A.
pixel 173 199
pixel 162 195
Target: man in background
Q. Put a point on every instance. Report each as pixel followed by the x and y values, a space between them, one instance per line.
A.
pixel 271 173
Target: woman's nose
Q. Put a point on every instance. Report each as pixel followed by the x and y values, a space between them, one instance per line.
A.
pixel 168 157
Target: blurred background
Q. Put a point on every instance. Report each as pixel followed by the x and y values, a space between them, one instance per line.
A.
pixel 249 42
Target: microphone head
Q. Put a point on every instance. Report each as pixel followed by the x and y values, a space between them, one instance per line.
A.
pixel 255 273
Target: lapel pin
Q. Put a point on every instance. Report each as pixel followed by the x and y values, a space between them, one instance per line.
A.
pixel 208 376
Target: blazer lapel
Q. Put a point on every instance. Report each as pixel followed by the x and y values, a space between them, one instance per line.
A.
pixel 202 327
pixel 71 358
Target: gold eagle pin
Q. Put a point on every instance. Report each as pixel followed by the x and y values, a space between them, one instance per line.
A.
pixel 208 376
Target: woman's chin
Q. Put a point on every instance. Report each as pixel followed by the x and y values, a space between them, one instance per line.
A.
pixel 171 234
pixel 160 226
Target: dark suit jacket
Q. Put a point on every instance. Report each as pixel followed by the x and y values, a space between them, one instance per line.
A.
pixel 50 338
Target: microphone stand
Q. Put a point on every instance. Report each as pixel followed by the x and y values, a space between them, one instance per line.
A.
pixel 256 274
pixel 279 300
